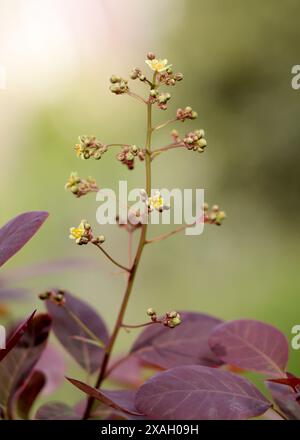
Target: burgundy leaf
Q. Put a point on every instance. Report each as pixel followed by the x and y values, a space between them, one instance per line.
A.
pixel 286 399
pixel 53 366
pixel 18 231
pixel 186 344
pixel 29 393
pixel 199 393
pixel 17 366
pixel 65 328
pixel 56 411
pixel 14 339
pixel 122 400
pixel 252 345
pixel 127 371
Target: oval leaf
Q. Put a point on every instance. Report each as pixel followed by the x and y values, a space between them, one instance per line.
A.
pixel 199 393
pixel 65 328
pixel 18 231
pixel 252 345
pixel 186 344
pixel 56 411
pixel 122 400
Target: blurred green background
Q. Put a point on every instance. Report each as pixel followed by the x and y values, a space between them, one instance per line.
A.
pixel 236 57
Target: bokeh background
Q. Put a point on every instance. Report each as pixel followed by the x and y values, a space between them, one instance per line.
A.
pixel 237 58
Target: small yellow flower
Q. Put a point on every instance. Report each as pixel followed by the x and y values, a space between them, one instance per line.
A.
pixel 77 233
pixel 72 180
pixel 156 202
pixel 79 150
pixel 158 65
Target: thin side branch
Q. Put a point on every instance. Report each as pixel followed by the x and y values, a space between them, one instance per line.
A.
pixel 169 234
pixel 164 124
pixel 111 259
pixel 137 97
pixel 166 148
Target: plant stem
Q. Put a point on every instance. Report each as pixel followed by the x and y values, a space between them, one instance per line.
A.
pixel 169 234
pixel 133 270
pixel 137 97
pixel 111 259
pixel 168 147
pixel 164 124
pixel 140 325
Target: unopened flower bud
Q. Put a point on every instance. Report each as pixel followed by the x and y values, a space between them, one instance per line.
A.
pixel 44 295
pixel 151 56
pixel 151 312
pixel 114 79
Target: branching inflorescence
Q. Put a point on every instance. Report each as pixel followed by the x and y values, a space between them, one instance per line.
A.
pixel 89 147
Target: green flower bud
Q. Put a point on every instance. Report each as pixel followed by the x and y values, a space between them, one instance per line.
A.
pixel 151 312
pixel 114 79
pixel 202 142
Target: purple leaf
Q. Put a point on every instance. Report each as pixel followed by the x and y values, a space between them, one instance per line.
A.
pixel 65 328
pixel 199 393
pixel 53 366
pixel 18 231
pixel 186 344
pixel 127 371
pixel 17 334
pixel 56 411
pixel 122 400
pixel 252 345
pixel 287 400
pixel 29 393
pixel 17 366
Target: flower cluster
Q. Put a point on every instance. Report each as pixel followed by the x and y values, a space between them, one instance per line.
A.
pixel 128 154
pixel 80 187
pixel 187 113
pixel 155 202
pixel 163 69
pixel 119 85
pixel 138 74
pixel 170 319
pixel 161 99
pixel 193 140
pixel 213 216
pixel 90 146
pixel 82 234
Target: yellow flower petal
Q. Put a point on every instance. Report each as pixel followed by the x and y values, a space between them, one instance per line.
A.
pixel 158 65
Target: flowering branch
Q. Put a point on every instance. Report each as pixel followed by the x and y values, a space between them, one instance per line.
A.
pixel 90 147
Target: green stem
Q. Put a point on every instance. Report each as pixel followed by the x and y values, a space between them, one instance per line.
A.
pixel 132 271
